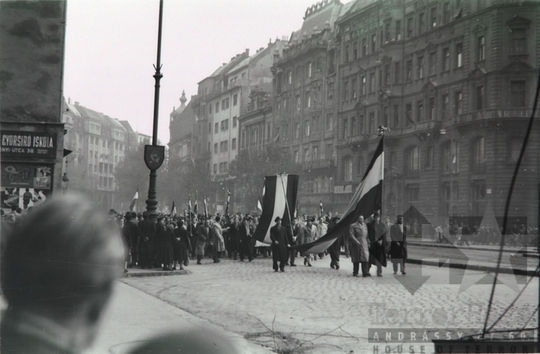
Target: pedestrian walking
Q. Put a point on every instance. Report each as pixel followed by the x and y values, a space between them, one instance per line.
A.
pixel 377 239
pixel 307 234
pixel 398 247
pixel 359 246
pixel 335 248
pixel 280 244
pixel 294 239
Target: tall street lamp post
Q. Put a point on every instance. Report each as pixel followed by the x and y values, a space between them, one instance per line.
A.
pixel 154 154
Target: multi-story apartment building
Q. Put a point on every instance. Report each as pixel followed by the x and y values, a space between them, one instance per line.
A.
pixel 454 81
pixel 305 103
pixel 98 144
pixel 221 100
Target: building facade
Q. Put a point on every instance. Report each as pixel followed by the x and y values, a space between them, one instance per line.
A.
pixel 454 81
pixel 97 145
pixel 305 103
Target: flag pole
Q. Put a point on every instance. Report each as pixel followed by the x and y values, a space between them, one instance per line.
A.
pixel 380 132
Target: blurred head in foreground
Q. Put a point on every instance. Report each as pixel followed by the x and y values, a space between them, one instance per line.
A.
pixel 58 269
pixel 192 341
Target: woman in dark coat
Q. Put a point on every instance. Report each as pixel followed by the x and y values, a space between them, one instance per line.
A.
pixel 158 242
pixel 167 242
pixel 182 246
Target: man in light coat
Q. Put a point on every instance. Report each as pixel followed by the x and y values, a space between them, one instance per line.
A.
pixel 359 247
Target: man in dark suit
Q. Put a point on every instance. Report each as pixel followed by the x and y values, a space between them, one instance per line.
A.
pixel 398 246
pixel 280 244
pixel 246 232
pixel 377 239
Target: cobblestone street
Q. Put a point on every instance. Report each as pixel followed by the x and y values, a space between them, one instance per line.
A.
pixel 321 310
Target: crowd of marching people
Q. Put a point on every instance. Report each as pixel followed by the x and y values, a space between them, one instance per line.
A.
pixel 173 242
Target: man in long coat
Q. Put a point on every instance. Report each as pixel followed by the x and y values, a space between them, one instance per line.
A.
pixel 147 228
pixel 398 246
pixel 377 239
pixel 280 243
pixel 359 247
pixel 216 235
pixel 203 233
pixel 246 232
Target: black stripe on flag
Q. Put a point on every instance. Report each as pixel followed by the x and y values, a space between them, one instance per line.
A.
pixel 280 194
pixel 365 201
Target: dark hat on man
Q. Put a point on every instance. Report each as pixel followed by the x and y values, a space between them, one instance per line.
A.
pixel 399 216
pixel 376 214
pixel 277 219
pixel 128 216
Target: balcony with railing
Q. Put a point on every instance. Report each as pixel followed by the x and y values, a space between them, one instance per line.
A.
pixel 494 113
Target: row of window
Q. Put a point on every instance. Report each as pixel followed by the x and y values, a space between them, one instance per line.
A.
pixel 215 107
pixel 428 110
pixel 224 146
pixel 450 157
pixel 96 141
pixel 221 168
pixel 221 126
pixel 392 31
pixel 313 154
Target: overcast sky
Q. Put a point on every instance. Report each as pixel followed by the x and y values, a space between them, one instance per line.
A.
pixel 111 47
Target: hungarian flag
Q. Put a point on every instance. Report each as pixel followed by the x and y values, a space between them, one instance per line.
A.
pixel 321 208
pixel 173 209
pixel 365 201
pixel 279 199
pixel 195 207
pixel 205 209
pixel 133 205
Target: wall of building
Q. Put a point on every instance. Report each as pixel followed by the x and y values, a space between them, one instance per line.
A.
pixel 32 41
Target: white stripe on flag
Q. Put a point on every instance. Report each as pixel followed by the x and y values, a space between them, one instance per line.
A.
pixel 280 203
pixel 372 179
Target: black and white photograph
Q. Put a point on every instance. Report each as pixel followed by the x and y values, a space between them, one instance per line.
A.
pixel 269 176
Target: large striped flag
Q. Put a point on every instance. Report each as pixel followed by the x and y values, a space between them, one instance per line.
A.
pixel 365 201
pixel 279 199
pixel 196 206
pixel 173 210
pixel 133 205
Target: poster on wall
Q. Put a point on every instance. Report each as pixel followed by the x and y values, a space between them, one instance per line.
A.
pixel 20 175
pixel 24 198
